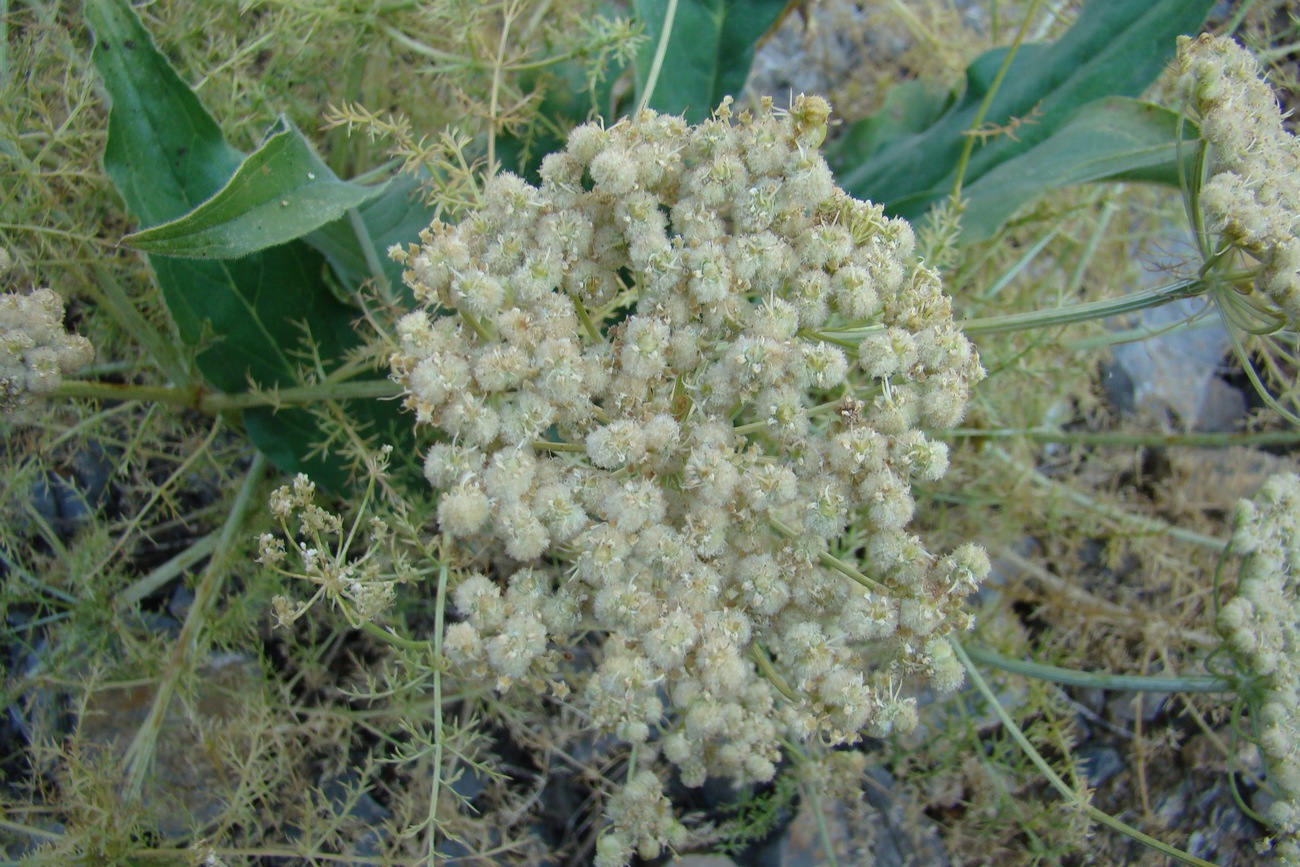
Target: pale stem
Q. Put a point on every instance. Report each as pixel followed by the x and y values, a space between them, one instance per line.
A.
pixel 200 399
pixel 661 50
pixel 1101 680
pixel 139 756
pixel 1067 792
pixel 439 618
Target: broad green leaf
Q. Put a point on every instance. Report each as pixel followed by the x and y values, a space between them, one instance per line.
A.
pixel 910 108
pixel 247 318
pixel 396 216
pixel 280 192
pixel 710 51
pixel 1115 139
pixel 1113 49
pixel 165 153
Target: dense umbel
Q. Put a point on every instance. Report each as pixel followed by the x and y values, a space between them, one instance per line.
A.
pixel 669 382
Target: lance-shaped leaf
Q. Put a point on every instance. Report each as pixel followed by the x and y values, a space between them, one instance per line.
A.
pixel 280 192
pixel 1114 139
pixel 247 318
pixel 1113 49
pixel 709 53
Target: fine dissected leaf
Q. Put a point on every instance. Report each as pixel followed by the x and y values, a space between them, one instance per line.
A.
pixel 247 318
pixel 1116 139
pixel 280 192
pixel 709 53
pixel 1113 49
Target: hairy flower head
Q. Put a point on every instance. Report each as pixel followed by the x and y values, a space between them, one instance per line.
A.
pixel 1262 627
pixel 663 393
pixel 1253 193
pixel 35 351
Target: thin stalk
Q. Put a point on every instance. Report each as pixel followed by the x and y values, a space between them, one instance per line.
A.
pixel 165 572
pixel 388 636
pixel 1069 794
pixel 548 446
pixel 1090 247
pixel 1192 322
pixel 1110 438
pixel 133 524
pixel 759 654
pixel 823 830
pixel 661 50
pixel 371 256
pixel 1025 260
pixel 1100 680
pixel 4 42
pixel 1052 317
pixel 439 618
pixel 1083 312
pixel 200 399
pixel 109 294
pixel 1242 10
pixel 139 756
pixel 584 316
pixel 983 111
pixel 830 561
pixel 494 98
pixel 16 568
pixel 1140 523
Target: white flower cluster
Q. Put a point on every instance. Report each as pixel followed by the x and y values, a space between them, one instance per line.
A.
pixel 1262 625
pixel 1253 194
pixel 363 586
pixel 644 403
pixel 35 351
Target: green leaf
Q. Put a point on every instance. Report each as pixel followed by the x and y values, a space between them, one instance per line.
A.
pixel 247 317
pixel 709 53
pixel 280 192
pixel 396 216
pixel 910 108
pixel 1113 49
pixel 1117 139
pixel 165 153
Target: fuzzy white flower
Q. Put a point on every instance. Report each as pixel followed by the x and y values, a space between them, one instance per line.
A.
pixel 655 408
pixel 1253 193
pixel 35 351
pixel 1262 627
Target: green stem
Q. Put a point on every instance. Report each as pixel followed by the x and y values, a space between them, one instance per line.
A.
pixel 1099 680
pixel 759 654
pixel 1110 438
pixel 1140 523
pixel 200 399
pixel 1069 794
pixel 139 756
pixel 160 575
pixel 110 295
pixel 585 318
pixel 983 111
pixel 439 618
pixel 390 637
pixel 371 255
pixel 830 561
pixel 548 446
pixel 1083 312
pixel 849 336
pixel 661 50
